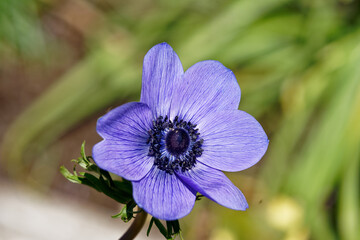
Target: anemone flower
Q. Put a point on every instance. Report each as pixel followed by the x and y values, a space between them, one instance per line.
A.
pixel 178 139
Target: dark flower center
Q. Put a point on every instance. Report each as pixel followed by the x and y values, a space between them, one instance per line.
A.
pixel 175 145
pixel 177 141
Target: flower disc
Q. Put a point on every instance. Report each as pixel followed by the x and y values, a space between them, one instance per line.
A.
pixel 177 141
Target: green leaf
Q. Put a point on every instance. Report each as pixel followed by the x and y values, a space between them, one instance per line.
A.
pixel 82 151
pixel 69 176
pixel 124 185
pixel 120 191
pixel 116 215
pixel 101 185
pixel 176 226
pixel 93 168
pixel 198 197
pixel 169 228
pixel 123 214
pixel 130 209
pixel 150 226
pixel 106 174
pixel 161 228
pixel 87 182
pixel 82 163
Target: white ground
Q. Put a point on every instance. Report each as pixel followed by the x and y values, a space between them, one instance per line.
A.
pixel 26 215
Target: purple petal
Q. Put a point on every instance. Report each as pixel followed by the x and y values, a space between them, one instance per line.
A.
pixel 124 150
pixel 233 140
pixel 214 185
pixel 163 195
pixel 162 67
pixel 206 86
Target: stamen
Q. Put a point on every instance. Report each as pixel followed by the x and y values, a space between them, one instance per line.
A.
pixel 175 145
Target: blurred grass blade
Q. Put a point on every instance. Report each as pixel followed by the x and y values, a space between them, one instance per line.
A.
pixel 204 43
pixel 90 86
pixel 261 38
pixel 349 207
pixel 300 97
pixel 320 162
pixel 20 27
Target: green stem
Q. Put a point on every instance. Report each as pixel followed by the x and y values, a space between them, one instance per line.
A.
pixel 135 227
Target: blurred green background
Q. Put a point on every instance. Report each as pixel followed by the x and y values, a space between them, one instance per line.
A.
pixel 65 63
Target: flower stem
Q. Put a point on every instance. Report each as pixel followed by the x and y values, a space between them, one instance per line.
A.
pixel 135 227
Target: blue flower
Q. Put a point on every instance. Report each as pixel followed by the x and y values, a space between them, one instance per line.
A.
pixel 178 139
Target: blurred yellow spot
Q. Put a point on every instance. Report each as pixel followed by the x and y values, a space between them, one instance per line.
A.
pixel 284 213
pixel 297 234
pixel 221 234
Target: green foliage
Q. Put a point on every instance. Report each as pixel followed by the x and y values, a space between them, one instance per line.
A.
pixel 171 231
pixel 127 212
pixel 101 181
pixel 120 191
